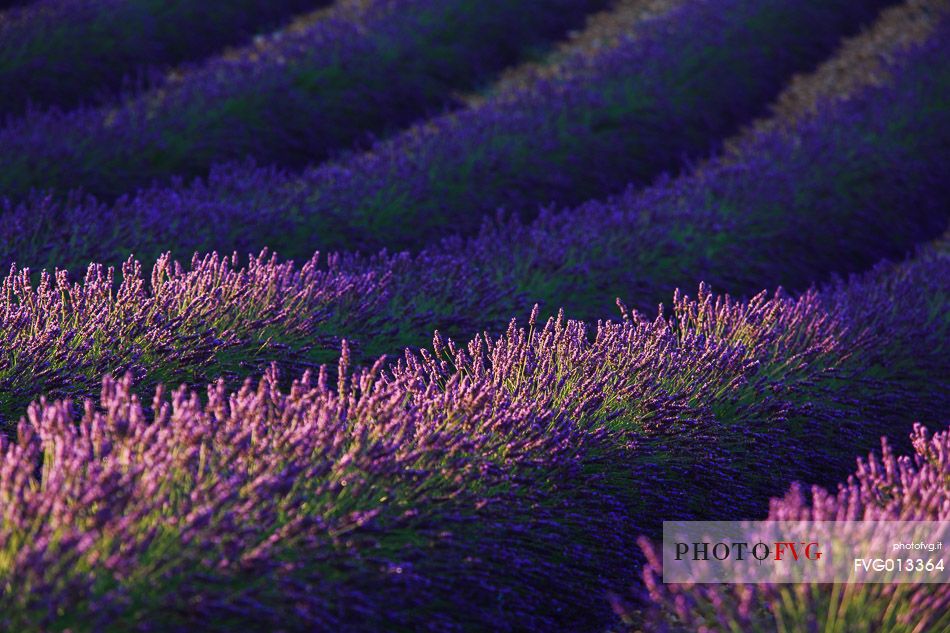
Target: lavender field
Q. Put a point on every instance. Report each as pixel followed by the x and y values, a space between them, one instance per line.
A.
pixel 424 315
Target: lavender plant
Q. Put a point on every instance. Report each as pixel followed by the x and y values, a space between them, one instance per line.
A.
pixel 218 317
pixel 66 52
pixel 749 395
pixel 858 359
pixel 322 83
pixel 305 509
pixel 885 488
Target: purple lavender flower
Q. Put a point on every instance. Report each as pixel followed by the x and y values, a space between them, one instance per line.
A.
pixel 61 336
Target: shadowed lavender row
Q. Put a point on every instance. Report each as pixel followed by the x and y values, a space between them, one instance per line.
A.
pixel 858 179
pixel 885 488
pixel 614 115
pixel 446 490
pixel 609 117
pixel 328 80
pixel 65 52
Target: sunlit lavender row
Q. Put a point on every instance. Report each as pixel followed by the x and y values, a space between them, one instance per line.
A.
pixel 65 52
pixel 320 84
pixel 60 337
pixel 442 489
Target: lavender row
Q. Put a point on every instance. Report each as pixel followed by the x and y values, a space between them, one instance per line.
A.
pixel 445 490
pixel 224 317
pixel 617 114
pixel 319 85
pixel 218 317
pixel 795 384
pixel 860 61
pixel 885 488
pixel 299 510
pixel 66 52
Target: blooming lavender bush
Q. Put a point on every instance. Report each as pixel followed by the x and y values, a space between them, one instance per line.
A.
pixel 316 86
pixel 59 337
pixel 821 374
pixel 64 52
pixel 308 509
pixel 885 488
